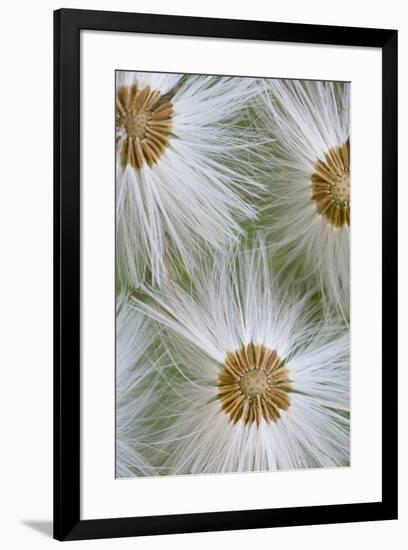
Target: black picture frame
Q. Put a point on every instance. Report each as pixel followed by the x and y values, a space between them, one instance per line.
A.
pixel 67 26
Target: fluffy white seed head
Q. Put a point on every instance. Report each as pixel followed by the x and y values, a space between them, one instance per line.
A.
pixel 136 379
pixel 232 304
pixel 191 191
pixel 308 178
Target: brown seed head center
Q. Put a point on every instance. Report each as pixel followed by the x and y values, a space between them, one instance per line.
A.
pixel 253 385
pixel 331 186
pixel 136 125
pixel 341 187
pixel 143 125
pixel 254 382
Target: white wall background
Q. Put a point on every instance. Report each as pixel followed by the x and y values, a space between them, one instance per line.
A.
pixel 26 272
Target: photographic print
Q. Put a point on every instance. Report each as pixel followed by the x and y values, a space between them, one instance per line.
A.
pixel 206 345
pixel 232 274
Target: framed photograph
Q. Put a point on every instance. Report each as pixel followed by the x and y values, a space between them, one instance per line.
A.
pixel 225 274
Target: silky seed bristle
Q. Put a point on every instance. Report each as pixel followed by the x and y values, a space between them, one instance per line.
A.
pixel 331 186
pixel 254 384
pixel 143 125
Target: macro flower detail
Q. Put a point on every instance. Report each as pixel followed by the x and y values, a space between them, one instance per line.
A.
pixel 135 382
pixel 233 218
pixel 254 384
pixel 307 172
pixel 183 178
pixel 331 186
pixel 144 118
